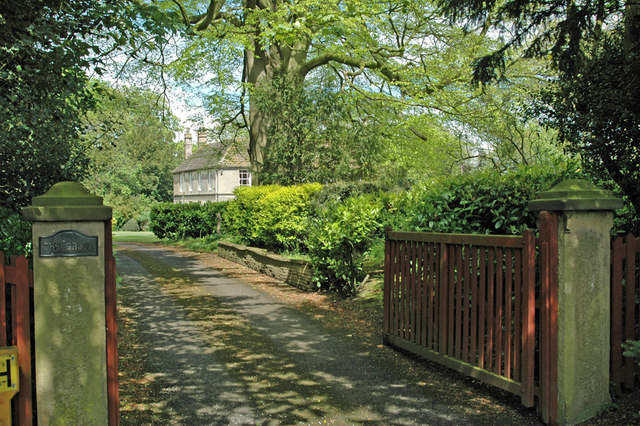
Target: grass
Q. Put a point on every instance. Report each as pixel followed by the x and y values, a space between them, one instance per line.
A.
pixel 208 244
pixel 135 237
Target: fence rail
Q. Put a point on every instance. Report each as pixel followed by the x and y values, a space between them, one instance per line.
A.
pixel 466 301
pixel 625 309
pixel 16 284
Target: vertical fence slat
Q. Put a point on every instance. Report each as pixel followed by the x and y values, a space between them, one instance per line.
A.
pixel 386 299
pixel 405 290
pixel 474 306
pixel 415 301
pixel 498 331
pixel 428 296
pixel 465 304
pixel 435 297
pixel 528 320
pixel 443 284
pixel 459 306
pixel 616 309
pixel 491 258
pixel 629 310
pixel 423 295
pixel 451 286
pixel 482 308
pixel 517 314
pixel 3 303
pixel 508 284
pixel 397 314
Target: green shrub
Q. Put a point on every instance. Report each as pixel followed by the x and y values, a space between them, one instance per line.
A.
pixel 632 349
pixel 484 202
pixel 272 216
pixel 15 233
pixel 242 212
pixel 342 190
pixel 338 237
pixel 189 220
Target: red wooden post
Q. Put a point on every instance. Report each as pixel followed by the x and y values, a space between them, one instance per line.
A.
pixel 3 304
pixel 630 308
pixel 23 338
pixel 617 258
pixel 548 317
pixel 113 392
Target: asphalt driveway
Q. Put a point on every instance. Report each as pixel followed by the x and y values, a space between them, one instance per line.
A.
pixel 224 352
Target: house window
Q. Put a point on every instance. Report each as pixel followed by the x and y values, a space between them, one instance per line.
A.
pixel 200 181
pixel 181 182
pixel 192 182
pixel 245 178
pixel 211 180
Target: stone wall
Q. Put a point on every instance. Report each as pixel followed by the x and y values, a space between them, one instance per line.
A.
pixel 294 272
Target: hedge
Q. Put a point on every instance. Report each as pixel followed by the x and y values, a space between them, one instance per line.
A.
pixel 485 202
pixel 272 216
pixel 191 220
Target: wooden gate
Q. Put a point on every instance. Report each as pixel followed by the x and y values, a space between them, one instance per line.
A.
pixel 16 284
pixel 625 307
pixel 465 301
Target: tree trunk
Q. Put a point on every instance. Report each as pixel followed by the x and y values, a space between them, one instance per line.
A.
pixel 260 66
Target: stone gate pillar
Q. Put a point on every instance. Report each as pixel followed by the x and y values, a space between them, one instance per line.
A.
pixel 69 303
pixel 585 219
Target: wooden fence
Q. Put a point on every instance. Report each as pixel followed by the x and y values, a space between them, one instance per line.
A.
pixel 625 310
pixel 466 301
pixel 16 284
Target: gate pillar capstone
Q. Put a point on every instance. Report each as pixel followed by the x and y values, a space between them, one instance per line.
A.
pixel 69 227
pixel 585 219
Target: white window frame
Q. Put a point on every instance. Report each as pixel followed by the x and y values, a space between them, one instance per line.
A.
pixel 211 180
pixel 244 177
pixel 181 182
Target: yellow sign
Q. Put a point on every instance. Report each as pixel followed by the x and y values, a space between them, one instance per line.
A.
pixel 9 371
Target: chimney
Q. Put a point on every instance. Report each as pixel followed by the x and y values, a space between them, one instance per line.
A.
pixel 188 144
pixel 202 138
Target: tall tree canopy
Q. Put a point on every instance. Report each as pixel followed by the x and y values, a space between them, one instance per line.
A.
pixel 595 48
pixel 402 56
pixel 48 48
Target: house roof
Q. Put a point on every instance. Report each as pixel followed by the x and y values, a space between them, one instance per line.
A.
pixel 216 156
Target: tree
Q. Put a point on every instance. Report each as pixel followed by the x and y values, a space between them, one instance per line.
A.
pixel 317 135
pixel 594 46
pixel 382 50
pixel 597 113
pixel 132 152
pixel 48 48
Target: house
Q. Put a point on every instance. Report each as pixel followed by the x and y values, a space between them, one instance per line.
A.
pixel 212 172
